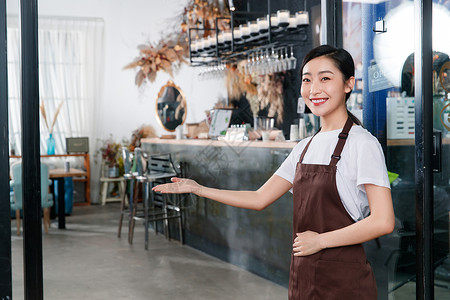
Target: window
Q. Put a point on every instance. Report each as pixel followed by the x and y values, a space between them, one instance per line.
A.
pixel 70 72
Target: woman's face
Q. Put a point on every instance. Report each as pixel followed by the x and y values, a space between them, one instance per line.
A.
pixel 323 87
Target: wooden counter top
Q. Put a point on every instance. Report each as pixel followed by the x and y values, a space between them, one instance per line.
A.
pixel 58 173
pixel 201 142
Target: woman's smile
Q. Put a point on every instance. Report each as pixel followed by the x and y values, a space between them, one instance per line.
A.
pixel 318 101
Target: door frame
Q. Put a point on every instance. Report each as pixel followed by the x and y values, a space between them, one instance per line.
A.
pixel 423 79
pixel 424 197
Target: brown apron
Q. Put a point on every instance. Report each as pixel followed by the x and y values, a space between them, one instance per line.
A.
pixel 333 273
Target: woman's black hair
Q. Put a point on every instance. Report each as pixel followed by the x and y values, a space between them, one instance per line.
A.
pixel 342 60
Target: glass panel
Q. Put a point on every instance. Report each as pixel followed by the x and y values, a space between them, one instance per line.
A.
pixel 441 123
pixel 380 36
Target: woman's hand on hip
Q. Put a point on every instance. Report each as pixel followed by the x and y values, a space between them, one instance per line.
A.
pixel 307 243
pixel 179 186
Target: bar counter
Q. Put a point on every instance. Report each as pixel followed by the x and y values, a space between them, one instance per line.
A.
pixel 222 143
pixel 259 241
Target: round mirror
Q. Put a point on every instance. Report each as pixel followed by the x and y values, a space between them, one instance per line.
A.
pixel 171 106
pixel 444 76
pixel 440 69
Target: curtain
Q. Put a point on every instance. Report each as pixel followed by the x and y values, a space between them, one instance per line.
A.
pixel 70 72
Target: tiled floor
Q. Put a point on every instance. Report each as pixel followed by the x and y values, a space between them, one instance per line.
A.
pixel 88 261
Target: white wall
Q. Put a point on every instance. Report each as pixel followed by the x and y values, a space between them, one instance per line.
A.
pixel 129 23
pixel 123 106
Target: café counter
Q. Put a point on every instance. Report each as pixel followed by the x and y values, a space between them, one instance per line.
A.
pixel 259 241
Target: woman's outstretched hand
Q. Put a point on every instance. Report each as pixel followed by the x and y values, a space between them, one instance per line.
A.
pixel 307 243
pixel 179 186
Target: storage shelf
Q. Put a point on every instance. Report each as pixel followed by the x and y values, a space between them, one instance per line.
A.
pixel 238 49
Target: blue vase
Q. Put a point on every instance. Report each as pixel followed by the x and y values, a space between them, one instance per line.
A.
pixel 50 145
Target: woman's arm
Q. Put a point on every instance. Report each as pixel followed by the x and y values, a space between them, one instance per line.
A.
pixel 273 189
pixel 381 221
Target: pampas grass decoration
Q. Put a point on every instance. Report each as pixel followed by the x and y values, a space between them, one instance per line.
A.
pixel 56 116
pixel 44 115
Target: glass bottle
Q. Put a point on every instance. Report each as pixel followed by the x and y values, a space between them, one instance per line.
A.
pixel 50 145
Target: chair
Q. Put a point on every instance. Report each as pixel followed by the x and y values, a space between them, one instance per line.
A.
pixel 159 168
pixel 16 195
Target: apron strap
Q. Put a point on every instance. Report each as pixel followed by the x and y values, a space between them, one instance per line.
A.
pixel 336 156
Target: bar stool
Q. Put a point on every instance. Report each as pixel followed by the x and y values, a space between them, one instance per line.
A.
pixel 161 206
pixel 159 168
pixel 138 178
pixel 128 185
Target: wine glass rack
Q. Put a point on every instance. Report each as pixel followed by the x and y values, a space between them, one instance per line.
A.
pixel 254 35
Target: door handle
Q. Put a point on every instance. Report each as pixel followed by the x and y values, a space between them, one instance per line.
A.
pixel 437 149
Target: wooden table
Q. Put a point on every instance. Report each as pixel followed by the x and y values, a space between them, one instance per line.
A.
pixel 59 175
pixel 86 177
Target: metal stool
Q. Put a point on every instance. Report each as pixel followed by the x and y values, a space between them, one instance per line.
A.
pixel 138 178
pixel 129 185
pixel 159 168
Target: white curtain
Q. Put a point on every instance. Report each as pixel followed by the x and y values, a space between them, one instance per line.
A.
pixel 71 52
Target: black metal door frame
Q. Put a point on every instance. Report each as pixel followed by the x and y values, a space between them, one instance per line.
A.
pixel 5 207
pixel 331 19
pixel 423 79
pixel 31 160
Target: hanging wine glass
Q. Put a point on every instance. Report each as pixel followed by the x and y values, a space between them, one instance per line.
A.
pixel 273 61
pixel 292 60
pixel 247 66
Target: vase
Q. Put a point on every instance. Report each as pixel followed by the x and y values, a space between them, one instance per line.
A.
pixel 113 171
pixel 50 145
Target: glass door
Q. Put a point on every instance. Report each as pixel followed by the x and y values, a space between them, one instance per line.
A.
pixel 441 128
pixel 381 37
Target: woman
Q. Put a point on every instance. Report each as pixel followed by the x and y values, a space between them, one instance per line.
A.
pixel 340 185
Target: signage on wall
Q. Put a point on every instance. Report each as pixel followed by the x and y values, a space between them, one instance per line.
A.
pixel 377 79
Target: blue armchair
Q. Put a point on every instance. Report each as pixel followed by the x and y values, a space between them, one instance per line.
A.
pixel 16 194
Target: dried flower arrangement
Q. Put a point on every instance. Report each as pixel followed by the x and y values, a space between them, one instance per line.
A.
pixel 110 151
pixel 55 116
pixel 270 94
pixel 142 132
pixel 262 92
pixel 165 55
pixel 169 53
pixel 238 82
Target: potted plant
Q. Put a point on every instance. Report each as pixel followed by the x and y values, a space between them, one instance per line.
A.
pixel 110 152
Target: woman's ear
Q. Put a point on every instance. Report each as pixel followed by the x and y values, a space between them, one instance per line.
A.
pixel 349 84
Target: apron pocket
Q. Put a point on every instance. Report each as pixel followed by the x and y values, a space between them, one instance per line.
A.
pixel 337 279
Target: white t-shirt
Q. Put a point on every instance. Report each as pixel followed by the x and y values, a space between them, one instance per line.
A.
pixel 362 162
